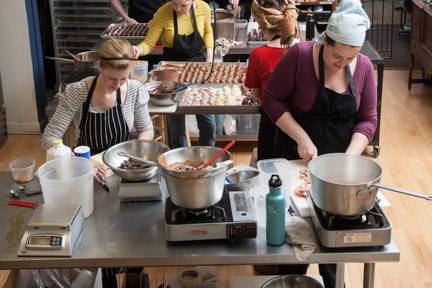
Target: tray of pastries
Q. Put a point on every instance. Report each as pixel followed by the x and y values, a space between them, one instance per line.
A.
pixel 198 72
pixel 125 31
pixel 217 98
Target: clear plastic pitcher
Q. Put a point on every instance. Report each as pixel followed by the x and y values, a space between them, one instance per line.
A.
pixel 68 180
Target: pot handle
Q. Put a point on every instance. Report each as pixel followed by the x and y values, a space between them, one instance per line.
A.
pixel 60 59
pixel 402 191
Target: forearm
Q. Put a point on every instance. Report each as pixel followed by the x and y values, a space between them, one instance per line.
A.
pixel 290 126
pixel 117 5
pixel 209 54
pixel 358 144
pixel 146 135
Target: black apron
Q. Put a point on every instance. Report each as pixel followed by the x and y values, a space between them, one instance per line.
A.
pixel 143 10
pixel 329 123
pixel 100 131
pixel 185 48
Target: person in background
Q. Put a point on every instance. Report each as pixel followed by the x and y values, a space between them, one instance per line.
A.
pixel 140 11
pixel 104 107
pixel 323 97
pixel 184 27
pixel 278 22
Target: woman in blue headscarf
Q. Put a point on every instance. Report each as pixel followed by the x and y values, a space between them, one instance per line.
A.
pixel 322 95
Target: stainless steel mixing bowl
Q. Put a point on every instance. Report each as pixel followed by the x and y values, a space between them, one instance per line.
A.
pixel 149 150
pixel 242 180
pixel 160 99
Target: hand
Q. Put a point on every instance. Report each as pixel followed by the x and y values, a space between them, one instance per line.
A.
pixel 137 51
pixel 234 3
pixel 131 20
pixel 101 172
pixel 307 150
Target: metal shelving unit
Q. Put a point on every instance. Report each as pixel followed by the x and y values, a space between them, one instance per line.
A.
pixel 77 25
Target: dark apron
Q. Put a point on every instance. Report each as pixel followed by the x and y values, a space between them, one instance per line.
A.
pixel 143 10
pixel 185 48
pixel 99 131
pixel 329 123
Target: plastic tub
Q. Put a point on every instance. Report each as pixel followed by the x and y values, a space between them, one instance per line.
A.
pixel 68 180
pixel 140 72
pixel 22 169
pixel 280 167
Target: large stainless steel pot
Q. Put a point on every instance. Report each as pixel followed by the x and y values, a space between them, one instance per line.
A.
pixel 292 281
pixel 347 185
pixel 148 150
pixel 194 190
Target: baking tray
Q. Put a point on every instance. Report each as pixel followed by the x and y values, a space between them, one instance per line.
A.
pixel 216 109
pixel 103 35
pixel 161 63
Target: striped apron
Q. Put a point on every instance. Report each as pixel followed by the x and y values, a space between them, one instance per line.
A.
pixel 99 131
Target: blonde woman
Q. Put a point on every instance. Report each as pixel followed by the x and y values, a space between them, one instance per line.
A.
pixel 104 107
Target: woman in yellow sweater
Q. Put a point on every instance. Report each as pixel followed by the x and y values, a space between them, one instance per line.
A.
pixel 184 27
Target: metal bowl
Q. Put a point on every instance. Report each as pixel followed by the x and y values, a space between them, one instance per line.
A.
pixel 148 150
pixel 167 99
pixel 243 180
pixel 166 74
pixel 292 281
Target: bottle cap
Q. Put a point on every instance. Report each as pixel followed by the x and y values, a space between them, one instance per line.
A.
pixel 275 181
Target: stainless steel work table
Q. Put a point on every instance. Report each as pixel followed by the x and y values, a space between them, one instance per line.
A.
pixel 132 234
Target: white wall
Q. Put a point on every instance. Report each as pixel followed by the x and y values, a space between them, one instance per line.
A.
pixel 16 69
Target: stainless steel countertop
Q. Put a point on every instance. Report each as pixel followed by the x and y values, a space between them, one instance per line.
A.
pixel 132 234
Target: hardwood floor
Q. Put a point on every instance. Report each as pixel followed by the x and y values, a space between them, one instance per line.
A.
pixel 406 157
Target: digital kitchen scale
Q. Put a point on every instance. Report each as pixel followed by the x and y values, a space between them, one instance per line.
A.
pixel 53 231
pixel 149 190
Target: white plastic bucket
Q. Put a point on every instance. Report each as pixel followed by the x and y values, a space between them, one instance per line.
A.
pixel 68 180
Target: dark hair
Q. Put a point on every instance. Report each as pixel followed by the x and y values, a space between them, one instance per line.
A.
pixel 275 4
pixel 332 42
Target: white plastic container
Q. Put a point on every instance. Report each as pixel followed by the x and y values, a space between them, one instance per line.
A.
pixel 140 72
pixel 68 180
pixel 58 150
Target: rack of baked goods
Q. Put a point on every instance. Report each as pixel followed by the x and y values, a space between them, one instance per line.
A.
pixel 125 30
pixel 212 95
pixel 192 72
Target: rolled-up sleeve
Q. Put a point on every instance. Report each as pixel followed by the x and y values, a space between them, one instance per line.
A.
pixel 142 121
pixel 367 115
pixel 281 85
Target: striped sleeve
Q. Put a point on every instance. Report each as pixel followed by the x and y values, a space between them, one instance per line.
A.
pixel 142 121
pixel 69 107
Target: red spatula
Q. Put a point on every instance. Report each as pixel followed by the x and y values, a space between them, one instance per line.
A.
pixel 220 153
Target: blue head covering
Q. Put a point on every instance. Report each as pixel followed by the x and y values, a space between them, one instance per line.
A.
pixel 348 24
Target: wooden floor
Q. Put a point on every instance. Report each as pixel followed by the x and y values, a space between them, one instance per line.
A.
pixel 406 156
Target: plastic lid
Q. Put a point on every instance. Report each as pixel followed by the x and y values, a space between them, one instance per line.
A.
pixel 275 181
pixel 57 142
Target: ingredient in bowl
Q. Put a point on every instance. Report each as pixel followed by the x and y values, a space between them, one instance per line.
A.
pixel 186 166
pixel 131 164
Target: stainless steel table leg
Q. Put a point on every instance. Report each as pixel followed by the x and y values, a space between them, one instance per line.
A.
pixel 369 275
pixel 340 275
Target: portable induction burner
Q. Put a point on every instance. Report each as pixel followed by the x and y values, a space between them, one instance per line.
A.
pixel 53 230
pixel 233 218
pixel 369 229
pixel 149 190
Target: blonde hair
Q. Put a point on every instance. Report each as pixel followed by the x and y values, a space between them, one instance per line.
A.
pixel 116 54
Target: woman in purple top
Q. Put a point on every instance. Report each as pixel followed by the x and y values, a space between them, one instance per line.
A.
pixel 322 95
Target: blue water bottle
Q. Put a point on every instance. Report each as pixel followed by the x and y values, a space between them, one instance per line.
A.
pixel 275 212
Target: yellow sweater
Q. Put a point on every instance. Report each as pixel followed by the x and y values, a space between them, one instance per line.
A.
pixel 162 26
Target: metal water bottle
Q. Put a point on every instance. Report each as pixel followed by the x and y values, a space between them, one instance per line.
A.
pixel 275 212
pixel 310 27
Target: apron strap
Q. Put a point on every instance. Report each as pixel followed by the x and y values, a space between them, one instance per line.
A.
pixel 118 96
pixel 86 104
